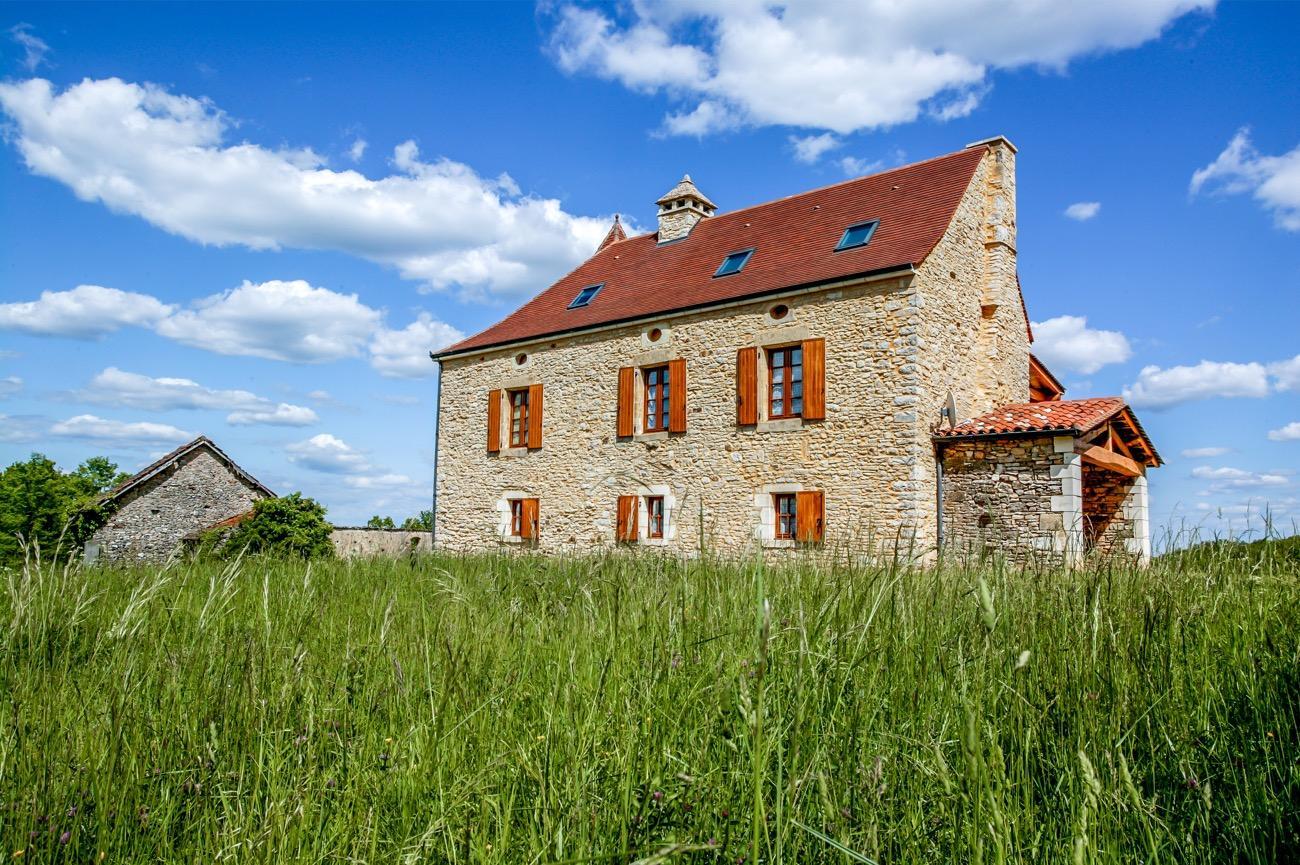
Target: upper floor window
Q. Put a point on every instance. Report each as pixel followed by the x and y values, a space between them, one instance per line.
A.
pixel 518 417
pixel 586 295
pixel 785 381
pixel 658 398
pixel 734 262
pixel 857 235
pixel 787 515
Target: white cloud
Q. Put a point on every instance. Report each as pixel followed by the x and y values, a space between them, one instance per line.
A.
pixel 810 148
pixel 405 353
pixel 1274 181
pixel 364 482
pixel 89 426
pixel 853 167
pixel 278 320
pixel 34 47
pixel 1288 433
pixel 1286 374
pixel 1161 388
pixel 1068 343
pixel 281 414
pixel 117 387
pixel 85 312
pixel 357 150
pixel 1226 477
pixel 22 428
pixel 326 453
pixel 1203 453
pixel 828 64
pixel 166 158
pixel 1083 210
pixel 10 385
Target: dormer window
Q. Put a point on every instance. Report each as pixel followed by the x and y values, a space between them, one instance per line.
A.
pixel 857 235
pixel 585 296
pixel 734 262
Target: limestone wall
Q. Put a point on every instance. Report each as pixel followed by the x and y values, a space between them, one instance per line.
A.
pixel 859 455
pixel 151 519
pixel 1011 497
pixel 350 543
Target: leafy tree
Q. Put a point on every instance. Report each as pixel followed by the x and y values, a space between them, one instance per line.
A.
pixel 377 522
pixel 291 526
pixel 46 506
pixel 422 523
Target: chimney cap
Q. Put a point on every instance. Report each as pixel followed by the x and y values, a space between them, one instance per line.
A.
pixel 686 188
pixel 995 140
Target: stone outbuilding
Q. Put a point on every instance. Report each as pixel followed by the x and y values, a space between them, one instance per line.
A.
pixel 192 488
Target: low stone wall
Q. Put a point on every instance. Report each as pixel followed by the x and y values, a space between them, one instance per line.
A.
pixel 351 543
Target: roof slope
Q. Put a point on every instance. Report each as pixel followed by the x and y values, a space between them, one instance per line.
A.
pixel 793 240
pixel 166 460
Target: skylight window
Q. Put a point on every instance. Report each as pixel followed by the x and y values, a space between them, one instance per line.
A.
pixel 857 235
pixel 734 262
pixel 585 296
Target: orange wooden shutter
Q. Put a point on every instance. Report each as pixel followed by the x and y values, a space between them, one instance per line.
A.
pixel 814 379
pixel 747 387
pixel 677 395
pixel 810 516
pixel 627 528
pixel 534 416
pixel 530 515
pixel 626 396
pixel 494 421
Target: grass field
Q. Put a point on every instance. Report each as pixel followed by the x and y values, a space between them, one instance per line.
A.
pixel 525 710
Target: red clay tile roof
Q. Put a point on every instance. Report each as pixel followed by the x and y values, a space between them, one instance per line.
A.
pixel 793 239
pixel 1074 416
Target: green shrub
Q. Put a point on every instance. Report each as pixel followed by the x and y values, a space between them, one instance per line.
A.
pixel 291 526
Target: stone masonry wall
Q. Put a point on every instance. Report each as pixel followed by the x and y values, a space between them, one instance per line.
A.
pixel 716 474
pixel 1006 496
pixel 355 543
pixel 151 519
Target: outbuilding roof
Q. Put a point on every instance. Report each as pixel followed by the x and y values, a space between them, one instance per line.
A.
pixel 162 463
pixel 793 240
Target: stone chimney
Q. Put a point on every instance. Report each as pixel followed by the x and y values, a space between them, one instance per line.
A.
pixel 680 208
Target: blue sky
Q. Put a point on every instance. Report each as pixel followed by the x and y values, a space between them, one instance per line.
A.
pixel 254 221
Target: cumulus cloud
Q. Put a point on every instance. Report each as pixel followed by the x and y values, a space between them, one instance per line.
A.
pixel 1286 374
pixel 291 321
pixel 357 150
pixel 123 433
pixel 327 453
pixel 826 64
pixel 10 385
pixel 113 386
pixel 166 158
pixel 1288 433
pixel 808 149
pixel 405 353
pixel 1083 210
pixel 1226 477
pixel 1160 388
pixel 1067 342
pixel 1273 181
pixel 1203 453
pixel 85 312
pixel 373 482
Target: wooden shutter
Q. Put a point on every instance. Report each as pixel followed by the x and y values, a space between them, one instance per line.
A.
pixel 747 386
pixel 814 379
pixel 534 416
pixel 810 516
pixel 626 398
pixel 529 528
pixel 627 519
pixel 494 421
pixel 677 395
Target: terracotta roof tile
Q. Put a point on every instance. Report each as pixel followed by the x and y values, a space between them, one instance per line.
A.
pixel 793 238
pixel 1073 416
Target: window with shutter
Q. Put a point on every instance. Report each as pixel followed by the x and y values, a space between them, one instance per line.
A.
pixel 747 387
pixel 534 416
pixel 626 398
pixel 786 507
pixel 517 400
pixel 785 382
pixel 626 531
pixel 658 398
pixel 810 521
pixel 494 422
pixel 654 507
pixel 530 515
pixel 677 384
pixel 814 379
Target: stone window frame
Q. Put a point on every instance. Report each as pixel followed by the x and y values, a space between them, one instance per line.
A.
pixel 765 514
pixel 521 378
pixel 662 353
pixel 502 508
pixel 665 492
pixel 779 335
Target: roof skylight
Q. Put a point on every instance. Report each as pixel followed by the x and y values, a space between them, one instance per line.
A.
pixel 585 296
pixel 734 262
pixel 857 235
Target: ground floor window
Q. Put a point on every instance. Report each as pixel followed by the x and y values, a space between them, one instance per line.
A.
pixel 523 518
pixel 786 506
pixel 654 506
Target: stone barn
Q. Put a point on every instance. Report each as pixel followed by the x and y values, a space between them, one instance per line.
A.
pixel 192 488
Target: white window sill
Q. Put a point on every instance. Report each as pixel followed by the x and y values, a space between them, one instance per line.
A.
pixel 656 436
pixel 778 544
pixel 512 452
pixel 785 424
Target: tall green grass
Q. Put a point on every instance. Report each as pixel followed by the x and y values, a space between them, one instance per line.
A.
pixel 520 709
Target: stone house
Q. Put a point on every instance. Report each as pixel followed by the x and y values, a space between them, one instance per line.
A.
pixel 195 487
pixel 847 367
